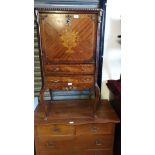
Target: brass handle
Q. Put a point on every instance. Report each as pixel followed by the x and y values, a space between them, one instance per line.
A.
pixel 56 130
pixel 94 129
pixel 98 142
pixel 50 144
pixel 55 81
pixel 85 80
pixel 70 88
pixel 55 69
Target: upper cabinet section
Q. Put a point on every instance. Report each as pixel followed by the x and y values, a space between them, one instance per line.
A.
pixel 68 37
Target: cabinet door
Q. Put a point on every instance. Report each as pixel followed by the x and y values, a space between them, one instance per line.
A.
pixel 68 38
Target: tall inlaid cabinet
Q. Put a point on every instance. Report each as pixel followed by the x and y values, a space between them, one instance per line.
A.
pixel 69 41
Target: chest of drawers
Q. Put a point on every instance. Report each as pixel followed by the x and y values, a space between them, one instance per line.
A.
pixel 73 132
pixel 69 49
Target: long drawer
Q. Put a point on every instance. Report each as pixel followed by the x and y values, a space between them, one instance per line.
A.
pixel 70 69
pixel 80 152
pixel 69 82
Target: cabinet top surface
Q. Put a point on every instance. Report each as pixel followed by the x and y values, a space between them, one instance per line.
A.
pixel 75 112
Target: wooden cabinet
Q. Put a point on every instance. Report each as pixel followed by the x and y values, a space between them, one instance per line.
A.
pixel 69 50
pixel 78 134
pixel 69 54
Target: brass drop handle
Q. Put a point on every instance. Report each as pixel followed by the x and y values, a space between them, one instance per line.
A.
pixel 94 129
pixel 56 130
pixel 98 142
pixel 50 144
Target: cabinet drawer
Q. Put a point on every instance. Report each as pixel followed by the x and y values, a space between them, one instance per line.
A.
pixel 48 130
pixel 69 82
pixel 93 141
pixel 70 69
pixel 94 129
pixel 80 152
pixel 55 143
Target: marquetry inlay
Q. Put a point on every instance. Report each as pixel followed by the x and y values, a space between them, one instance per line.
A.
pixel 69 39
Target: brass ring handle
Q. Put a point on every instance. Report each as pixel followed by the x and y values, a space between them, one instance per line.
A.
pixel 50 144
pixel 98 142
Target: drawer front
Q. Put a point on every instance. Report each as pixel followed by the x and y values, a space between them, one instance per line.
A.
pixel 48 130
pixel 69 82
pixel 70 69
pixel 55 143
pixel 94 129
pixel 81 152
pixel 93 142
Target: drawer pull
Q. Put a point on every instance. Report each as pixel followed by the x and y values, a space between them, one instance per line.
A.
pixel 55 81
pixel 70 88
pixel 50 144
pixel 98 142
pixel 94 129
pixel 56 130
pixel 55 69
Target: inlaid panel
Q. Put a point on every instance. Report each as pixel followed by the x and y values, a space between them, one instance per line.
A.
pixel 68 37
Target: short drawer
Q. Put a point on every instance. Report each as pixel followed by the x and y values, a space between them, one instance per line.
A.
pixel 55 143
pixel 105 128
pixel 69 82
pixel 48 130
pixel 93 142
pixel 70 69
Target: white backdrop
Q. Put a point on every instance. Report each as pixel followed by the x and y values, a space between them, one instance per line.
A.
pixel 112 47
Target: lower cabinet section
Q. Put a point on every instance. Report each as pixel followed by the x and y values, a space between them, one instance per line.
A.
pixel 85 139
pixel 84 136
pixel 79 152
